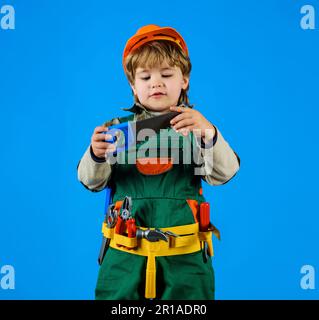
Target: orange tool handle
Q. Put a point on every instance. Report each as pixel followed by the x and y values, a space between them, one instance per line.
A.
pixel 204 216
pixel 131 228
pixel 120 226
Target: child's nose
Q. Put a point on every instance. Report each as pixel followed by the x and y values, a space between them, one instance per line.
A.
pixel 156 81
pixel 156 84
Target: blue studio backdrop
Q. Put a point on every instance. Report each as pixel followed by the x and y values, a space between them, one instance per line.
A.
pixel 255 76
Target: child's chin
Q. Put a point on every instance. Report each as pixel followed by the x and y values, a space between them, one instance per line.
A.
pixel 159 108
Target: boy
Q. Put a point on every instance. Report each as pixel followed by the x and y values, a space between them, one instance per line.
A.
pixel 167 253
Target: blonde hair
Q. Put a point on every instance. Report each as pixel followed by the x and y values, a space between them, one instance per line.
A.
pixel 154 53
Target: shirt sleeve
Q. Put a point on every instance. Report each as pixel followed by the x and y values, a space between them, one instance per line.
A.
pixel 219 162
pixel 93 172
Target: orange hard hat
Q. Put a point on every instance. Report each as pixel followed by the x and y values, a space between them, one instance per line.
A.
pixel 153 32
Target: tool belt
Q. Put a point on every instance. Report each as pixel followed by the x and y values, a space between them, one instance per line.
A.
pixel 181 240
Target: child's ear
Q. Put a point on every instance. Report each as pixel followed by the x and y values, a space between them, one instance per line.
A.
pixel 185 82
pixel 133 88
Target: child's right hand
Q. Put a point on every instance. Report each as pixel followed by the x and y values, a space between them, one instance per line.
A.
pixel 99 146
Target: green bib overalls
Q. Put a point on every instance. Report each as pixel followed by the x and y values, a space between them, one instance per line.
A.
pixel 159 200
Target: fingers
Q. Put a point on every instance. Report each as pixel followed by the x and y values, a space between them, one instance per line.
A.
pixel 109 149
pixel 99 142
pixel 100 129
pixel 183 123
pixel 186 130
pixel 180 109
pixel 101 137
pixel 180 117
pixel 184 119
pixel 101 145
pixel 101 149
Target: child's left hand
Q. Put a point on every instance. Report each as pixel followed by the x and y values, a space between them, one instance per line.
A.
pixel 192 120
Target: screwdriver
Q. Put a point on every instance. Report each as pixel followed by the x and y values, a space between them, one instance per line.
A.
pixel 204 216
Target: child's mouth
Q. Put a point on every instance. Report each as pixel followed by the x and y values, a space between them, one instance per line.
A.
pixel 157 95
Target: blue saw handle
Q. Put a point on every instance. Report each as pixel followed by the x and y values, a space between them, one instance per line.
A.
pixel 122 133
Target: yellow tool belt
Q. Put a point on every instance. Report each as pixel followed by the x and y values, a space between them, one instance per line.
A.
pixel 189 239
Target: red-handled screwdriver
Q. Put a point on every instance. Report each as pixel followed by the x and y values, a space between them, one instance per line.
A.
pixel 131 228
pixel 204 216
pixel 120 225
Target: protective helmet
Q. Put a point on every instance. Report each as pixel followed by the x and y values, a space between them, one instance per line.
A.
pixel 153 32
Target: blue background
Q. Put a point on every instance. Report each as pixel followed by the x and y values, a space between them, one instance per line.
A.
pixel 255 76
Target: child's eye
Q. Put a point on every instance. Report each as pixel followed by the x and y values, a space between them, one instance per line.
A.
pixel 166 75
pixel 145 78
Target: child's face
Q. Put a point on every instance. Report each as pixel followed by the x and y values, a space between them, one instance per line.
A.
pixel 159 88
